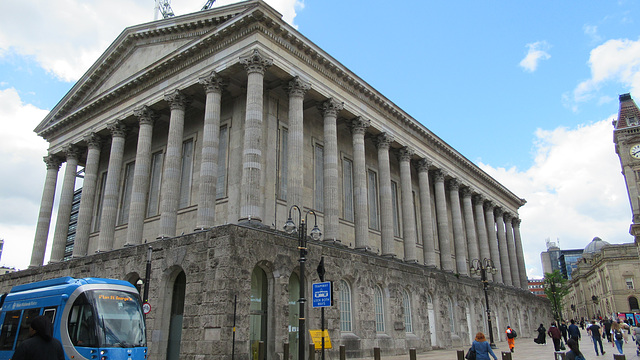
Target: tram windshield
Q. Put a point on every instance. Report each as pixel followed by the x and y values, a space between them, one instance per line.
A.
pixel 107 318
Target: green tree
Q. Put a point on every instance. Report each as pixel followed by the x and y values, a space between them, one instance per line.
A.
pixel 556 289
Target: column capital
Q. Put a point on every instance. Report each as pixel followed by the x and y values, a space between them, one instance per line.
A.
pixel 256 62
pixel 516 221
pixel 330 107
pixel 71 151
pixel 478 198
pixel 489 205
pixel 454 184
pixel 52 161
pixel 467 192
pixel 439 175
pixel 145 115
pixel 507 217
pixel 93 140
pixel 498 211
pixel 359 125
pixel 423 164
pixel 117 128
pixel 383 141
pixel 212 82
pixel 177 100
pixel 298 87
pixel 405 153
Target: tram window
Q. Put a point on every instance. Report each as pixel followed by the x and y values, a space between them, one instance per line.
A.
pixel 82 329
pixel 50 312
pixel 9 330
pixel 27 316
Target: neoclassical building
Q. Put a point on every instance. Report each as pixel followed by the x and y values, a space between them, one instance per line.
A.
pixel 197 134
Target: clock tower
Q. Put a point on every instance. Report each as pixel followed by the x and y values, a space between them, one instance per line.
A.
pixel 626 137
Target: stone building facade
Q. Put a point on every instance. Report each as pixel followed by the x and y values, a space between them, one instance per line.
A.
pixel 604 282
pixel 198 134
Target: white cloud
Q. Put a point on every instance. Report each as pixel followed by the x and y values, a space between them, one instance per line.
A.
pixel 592 32
pixel 66 37
pixel 616 60
pixel 537 52
pixel 21 153
pixel 574 191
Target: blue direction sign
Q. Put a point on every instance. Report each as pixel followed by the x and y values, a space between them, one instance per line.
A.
pixel 322 294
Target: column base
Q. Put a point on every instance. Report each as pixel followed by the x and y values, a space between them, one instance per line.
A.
pixel 254 223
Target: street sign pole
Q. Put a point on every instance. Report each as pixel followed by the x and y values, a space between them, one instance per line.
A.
pixel 321 275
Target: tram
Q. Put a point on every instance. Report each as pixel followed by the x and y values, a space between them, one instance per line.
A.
pixel 93 318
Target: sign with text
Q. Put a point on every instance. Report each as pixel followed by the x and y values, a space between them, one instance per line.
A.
pixel 322 294
pixel 316 337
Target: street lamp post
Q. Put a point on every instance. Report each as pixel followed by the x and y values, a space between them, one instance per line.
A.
pixel 290 227
pixel 480 268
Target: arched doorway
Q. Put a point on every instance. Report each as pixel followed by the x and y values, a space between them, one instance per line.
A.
pixel 294 314
pixel 633 304
pixel 258 311
pixel 177 311
pixel 431 313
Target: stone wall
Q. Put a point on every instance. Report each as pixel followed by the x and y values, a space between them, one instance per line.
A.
pixel 218 265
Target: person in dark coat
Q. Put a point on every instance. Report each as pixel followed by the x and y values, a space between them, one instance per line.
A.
pixel 573 331
pixel 41 345
pixel 555 335
pixel 563 330
pixel 574 353
pixel 542 335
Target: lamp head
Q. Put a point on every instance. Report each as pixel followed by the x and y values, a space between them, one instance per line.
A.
pixel 289 226
pixel 316 234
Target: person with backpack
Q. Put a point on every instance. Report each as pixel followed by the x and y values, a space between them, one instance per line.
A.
pixel 511 338
pixel 618 336
pixel 574 352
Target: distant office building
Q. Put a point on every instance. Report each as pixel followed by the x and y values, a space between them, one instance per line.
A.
pixel 563 260
pixel 73 224
pixel 536 286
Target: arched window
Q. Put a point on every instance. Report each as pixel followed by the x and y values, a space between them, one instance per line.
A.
pixel 258 310
pixel 177 311
pixel 344 303
pixel 379 303
pixel 452 322
pixel 633 303
pixel 406 305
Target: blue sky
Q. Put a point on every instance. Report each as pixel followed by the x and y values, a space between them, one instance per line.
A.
pixel 526 90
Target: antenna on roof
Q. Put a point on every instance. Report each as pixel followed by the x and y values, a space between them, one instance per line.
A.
pixel 208 5
pixel 163 7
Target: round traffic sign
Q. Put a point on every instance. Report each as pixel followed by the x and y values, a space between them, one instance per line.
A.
pixel 146 308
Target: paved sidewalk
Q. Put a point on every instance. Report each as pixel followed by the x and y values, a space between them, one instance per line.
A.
pixel 526 349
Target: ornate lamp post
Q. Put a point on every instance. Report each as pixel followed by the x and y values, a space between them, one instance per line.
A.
pixel 480 268
pixel 290 227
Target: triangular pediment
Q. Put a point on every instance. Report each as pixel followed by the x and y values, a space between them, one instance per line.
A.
pixel 137 50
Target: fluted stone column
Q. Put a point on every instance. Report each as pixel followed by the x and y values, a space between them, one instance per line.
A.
pixel 490 223
pixel 141 174
pixel 172 173
pixel 251 199
pixel 428 240
pixel 522 269
pixel 383 142
pixel 502 248
pixel 330 110
pixel 458 232
pixel 358 128
pixel 483 241
pixel 442 221
pixel 295 142
pixel 111 187
pixel 511 248
pixel 467 210
pixel 408 213
pixel 207 191
pixel 72 153
pixel 46 207
pixel 89 186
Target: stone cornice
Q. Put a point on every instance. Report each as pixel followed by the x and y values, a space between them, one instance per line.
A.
pixel 227 27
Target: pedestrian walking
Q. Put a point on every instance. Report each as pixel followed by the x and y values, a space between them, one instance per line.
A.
pixel 606 324
pixel 41 345
pixel 563 330
pixel 596 334
pixel 542 335
pixel 555 335
pixel 574 331
pixel 618 336
pixel 574 351
pixel 482 348
pixel 511 338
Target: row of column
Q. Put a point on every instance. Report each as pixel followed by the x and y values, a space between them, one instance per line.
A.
pixel 476 237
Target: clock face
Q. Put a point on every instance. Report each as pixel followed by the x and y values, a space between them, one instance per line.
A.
pixel 635 151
